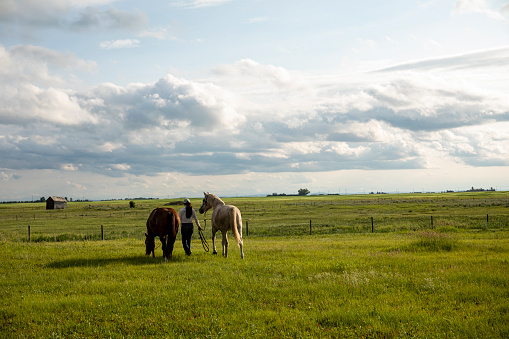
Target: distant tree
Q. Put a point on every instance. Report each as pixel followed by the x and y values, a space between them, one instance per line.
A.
pixel 132 204
pixel 42 199
pixel 303 191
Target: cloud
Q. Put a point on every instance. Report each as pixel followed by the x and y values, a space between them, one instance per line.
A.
pixel 32 87
pixel 496 57
pixel 68 167
pixel 39 65
pixel 161 34
pixel 27 16
pixel 92 18
pixel 259 118
pixel 200 3
pixel 480 6
pixel 33 105
pixel 119 44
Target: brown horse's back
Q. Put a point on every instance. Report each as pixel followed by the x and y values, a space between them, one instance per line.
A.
pixel 163 221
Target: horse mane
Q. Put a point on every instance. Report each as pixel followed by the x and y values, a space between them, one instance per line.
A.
pixel 216 198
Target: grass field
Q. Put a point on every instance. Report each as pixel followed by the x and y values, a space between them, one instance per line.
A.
pixel 403 280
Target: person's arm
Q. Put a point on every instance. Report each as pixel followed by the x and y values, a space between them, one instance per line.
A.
pixel 196 220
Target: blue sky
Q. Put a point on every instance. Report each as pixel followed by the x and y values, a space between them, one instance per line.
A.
pixel 109 99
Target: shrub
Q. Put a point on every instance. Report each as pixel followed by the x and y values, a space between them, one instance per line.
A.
pixel 433 241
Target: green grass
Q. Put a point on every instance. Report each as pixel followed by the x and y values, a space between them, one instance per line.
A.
pixel 357 285
pixel 404 280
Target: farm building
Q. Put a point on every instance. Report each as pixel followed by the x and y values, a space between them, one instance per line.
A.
pixel 55 203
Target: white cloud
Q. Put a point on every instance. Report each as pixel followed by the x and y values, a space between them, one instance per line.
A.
pixel 118 44
pixel 200 3
pixel 161 34
pixel 480 6
pixel 29 104
pixel 69 167
pixel 39 65
pixel 109 147
pixel 121 167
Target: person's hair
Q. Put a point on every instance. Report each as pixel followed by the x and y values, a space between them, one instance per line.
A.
pixel 189 210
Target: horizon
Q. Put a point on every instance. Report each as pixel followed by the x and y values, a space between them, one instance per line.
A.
pixel 281 194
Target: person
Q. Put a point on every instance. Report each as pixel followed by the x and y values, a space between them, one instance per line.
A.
pixel 187 214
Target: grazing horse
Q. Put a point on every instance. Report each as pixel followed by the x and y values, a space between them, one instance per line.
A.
pixel 224 217
pixel 164 223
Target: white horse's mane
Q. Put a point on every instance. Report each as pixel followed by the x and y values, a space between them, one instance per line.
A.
pixel 214 196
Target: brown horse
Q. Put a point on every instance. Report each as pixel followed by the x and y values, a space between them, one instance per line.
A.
pixel 224 218
pixel 164 223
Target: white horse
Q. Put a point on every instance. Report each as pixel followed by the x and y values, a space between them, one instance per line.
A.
pixel 224 217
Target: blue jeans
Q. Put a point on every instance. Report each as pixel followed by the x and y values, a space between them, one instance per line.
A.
pixel 187 233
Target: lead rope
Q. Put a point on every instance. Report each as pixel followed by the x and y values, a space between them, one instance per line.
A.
pixel 203 240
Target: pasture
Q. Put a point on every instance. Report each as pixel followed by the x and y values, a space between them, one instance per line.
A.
pixel 405 279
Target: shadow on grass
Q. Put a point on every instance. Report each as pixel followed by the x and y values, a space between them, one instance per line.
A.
pixel 99 262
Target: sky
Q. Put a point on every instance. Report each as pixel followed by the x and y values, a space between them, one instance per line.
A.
pixel 103 99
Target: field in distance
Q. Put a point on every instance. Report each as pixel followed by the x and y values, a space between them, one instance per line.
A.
pixel 270 216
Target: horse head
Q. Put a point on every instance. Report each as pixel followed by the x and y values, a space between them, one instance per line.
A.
pixel 149 244
pixel 207 203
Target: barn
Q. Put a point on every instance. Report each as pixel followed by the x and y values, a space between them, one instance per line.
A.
pixel 55 203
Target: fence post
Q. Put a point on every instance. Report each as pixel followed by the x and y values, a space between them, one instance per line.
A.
pixel 247 228
pixel 372 226
pixel 431 222
pixel 29 237
pixel 487 220
pixel 102 232
pixel 310 229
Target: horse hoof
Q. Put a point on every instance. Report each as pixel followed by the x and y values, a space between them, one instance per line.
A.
pixel 215 252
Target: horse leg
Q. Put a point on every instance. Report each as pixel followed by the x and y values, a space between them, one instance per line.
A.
pixel 225 245
pixel 165 248
pixel 239 229
pixel 154 248
pixel 214 240
pixel 171 242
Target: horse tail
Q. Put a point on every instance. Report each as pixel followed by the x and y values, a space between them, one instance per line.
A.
pixel 176 223
pixel 172 222
pixel 234 212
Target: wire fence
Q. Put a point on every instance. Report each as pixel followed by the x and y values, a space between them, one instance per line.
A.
pixel 94 230
pixel 100 221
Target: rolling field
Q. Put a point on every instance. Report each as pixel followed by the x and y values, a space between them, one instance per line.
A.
pixel 404 280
